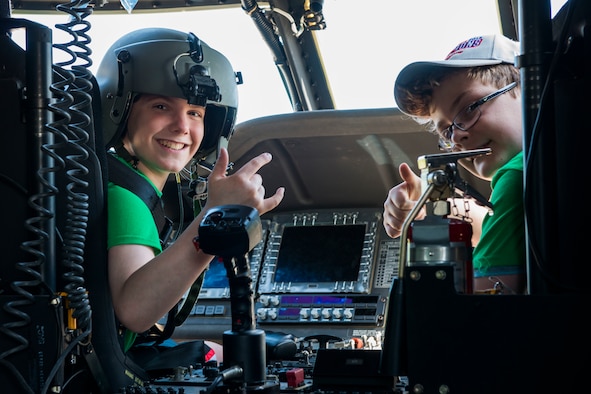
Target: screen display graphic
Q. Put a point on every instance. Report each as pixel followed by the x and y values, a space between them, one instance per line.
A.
pixel 320 254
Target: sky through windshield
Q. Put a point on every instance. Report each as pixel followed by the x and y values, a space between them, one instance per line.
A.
pixel 364 46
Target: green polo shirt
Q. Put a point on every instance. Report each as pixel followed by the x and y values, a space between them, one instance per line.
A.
pixel 501 249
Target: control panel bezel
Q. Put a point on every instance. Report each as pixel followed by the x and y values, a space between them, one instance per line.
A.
pixel 268 284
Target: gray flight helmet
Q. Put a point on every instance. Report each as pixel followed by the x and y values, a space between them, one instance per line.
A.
pixel 170 63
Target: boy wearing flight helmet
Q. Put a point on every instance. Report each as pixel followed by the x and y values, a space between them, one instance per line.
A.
pixel 166 99
pixel 472 100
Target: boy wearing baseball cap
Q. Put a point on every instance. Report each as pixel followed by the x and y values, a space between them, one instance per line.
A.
pixel 472 100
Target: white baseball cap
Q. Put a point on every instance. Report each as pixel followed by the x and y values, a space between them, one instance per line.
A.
pixel 477 51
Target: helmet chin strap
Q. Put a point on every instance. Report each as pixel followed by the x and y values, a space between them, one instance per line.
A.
pixel 125 155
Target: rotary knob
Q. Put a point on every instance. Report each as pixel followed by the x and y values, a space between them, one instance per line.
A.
pixel 272 314
pixel 337 313
pixel 305 313
pixel 261 314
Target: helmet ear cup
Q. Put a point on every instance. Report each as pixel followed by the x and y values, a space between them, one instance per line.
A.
pixel 164 62
pixel 219 122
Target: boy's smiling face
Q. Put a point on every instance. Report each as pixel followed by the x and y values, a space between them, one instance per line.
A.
pixel 164 133
pixel 499 126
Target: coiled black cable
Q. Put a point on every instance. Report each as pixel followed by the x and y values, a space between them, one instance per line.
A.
pixel 77 209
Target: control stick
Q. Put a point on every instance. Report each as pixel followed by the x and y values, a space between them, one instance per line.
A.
pixel 230 232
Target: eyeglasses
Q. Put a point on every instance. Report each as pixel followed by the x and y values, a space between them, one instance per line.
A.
pixel 467 118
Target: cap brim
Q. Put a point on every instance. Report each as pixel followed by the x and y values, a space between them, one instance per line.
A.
pixel 416 69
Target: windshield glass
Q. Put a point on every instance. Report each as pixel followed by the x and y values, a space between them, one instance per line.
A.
pixel 364 46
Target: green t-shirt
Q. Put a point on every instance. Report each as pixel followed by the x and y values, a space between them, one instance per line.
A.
pixel 501 249
pixel 130 222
